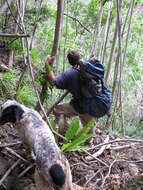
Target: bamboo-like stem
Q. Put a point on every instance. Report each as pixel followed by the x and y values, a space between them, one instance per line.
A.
pixel 106 32
pixel 64 54
pixel 97 32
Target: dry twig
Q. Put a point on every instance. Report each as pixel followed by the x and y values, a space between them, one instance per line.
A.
pixel 114 141
pixel 109 171
pixel 95 158
pixel 9 170
pixel 100 151
pixel 26 170
pixel 15 154
pixel 10 144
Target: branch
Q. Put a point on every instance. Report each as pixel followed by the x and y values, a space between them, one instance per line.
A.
pixel 9 170
pixel 85 151
pixel 117 140
pixel 14 35
pixel 9 144
pixel 109 171
pixel 100 151
pixel 26 170
pixel 78 22
pixel 15 154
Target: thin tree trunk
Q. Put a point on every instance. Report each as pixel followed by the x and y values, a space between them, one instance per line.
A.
pixel 106 33
pixel 113 46
pixel 119 4
pixel 111 55
pixel 60 8
pixel 98 29
pixel 130 19
pixel 64 57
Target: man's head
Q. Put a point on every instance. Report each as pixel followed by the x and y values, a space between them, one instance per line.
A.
pixel 73 57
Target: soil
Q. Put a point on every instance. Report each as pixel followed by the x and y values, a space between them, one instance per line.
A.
pixel 94 175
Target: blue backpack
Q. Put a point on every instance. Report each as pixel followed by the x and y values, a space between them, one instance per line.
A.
pixel 95 96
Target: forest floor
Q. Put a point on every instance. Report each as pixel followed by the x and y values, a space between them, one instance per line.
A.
pixel 117 166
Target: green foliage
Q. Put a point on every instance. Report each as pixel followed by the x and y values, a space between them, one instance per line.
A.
pixel 74 126
pixel 135 131
pixel 33 54
pixel 26 95
pixel 40 77
pixel 76 137
pixel 8 81
pixel 17 46
pixel 131 55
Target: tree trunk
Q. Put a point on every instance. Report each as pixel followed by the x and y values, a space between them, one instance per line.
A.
pixel 64 57
pixel 97 32
pixel 60 8
pixel 106 32
pixel 58 27
pixel 111 55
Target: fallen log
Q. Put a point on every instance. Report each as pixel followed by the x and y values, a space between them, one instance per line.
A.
pixel 52 168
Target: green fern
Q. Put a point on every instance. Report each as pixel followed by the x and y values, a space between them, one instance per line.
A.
pixel 72 129
pixel 74 138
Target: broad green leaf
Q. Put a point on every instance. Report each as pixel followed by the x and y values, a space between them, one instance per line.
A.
pixel 72 129
pixel 76 148
pixel 81 139
pixel 65 146
pixel 86 128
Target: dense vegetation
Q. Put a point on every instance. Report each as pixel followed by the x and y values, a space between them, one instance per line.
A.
pixel 78 31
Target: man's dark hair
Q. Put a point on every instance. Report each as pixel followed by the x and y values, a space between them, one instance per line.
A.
pixel 73 57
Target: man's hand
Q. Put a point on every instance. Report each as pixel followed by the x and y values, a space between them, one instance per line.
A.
pixel 50 60
pixel 48 65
